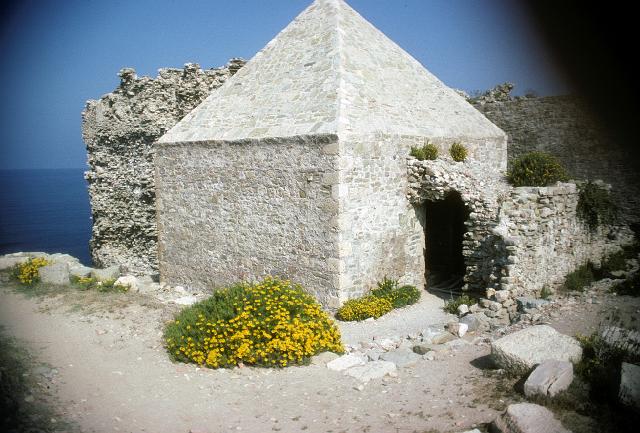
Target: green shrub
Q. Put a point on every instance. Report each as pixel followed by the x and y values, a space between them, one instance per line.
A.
pixel 536 169
pixel 458 152
pixel 577 280
pixel 272 324
pixel 364 308
pixel 427 152
pixel 613 262
pixel 452 305
pixel 546 292
pixel 595 206
pixel 27 273
pixel 380 301
pixel 628 287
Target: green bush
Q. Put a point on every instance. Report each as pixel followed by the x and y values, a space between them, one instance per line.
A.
pixel 452 305
pixel 595 206
pixel 271 324
pixel 458 152
pixel 427 152
pixel 613 262
pixel 577 280
pixel 628 287
pixel 379 302
pixel 536 169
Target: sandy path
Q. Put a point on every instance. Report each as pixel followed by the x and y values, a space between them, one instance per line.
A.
pixel 114 376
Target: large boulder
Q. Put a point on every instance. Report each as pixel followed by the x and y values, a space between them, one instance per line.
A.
pixel 630 385
pixel 56 273
pixel 528 418
pixel 549 378
pixel 521 351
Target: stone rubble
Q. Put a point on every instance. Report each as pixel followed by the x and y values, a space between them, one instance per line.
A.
pixel 549 378
pixel 528 418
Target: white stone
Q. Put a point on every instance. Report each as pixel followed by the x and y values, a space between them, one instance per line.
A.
pixel 502 295
pixel 630 385
pixel 186 300
pixel 386 343
pixel 129 281
pixel 528 418
pixel 463 309
pixel 346 361
pixel 110 273
pixel 521 351
pixel 458 329
pixel 549 378
pixel 371 370
pixel 56 273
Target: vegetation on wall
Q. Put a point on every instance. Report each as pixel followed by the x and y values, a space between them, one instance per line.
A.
pixel 273 323
pixel 536 169
pixel 458 152
pixel 427 152
pixel 387 296
pixel 595 206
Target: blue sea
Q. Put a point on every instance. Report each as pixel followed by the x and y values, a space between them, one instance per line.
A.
pixel 45 210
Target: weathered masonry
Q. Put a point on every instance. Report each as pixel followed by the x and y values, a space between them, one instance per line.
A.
pixel 305 175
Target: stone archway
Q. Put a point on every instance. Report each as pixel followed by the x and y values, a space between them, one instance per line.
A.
pixel 444 235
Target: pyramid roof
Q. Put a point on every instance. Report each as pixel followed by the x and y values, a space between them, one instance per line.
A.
pixel 331 72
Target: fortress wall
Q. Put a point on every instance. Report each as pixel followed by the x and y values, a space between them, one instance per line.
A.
pixel 564 127
pixel 233 211
pixel 119 130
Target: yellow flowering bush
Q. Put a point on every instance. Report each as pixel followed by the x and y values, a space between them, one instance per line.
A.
pixel 363 308
pixel 271 324
pixel 27 272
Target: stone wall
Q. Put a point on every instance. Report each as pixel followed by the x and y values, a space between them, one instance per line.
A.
pixel 230 211
pixel 564 127
pixel 119 130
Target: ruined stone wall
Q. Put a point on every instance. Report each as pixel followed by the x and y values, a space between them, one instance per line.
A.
pixel 119 130
pixel 234 211
pixel 564 127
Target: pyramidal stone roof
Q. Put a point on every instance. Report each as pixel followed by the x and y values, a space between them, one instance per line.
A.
pixel 331 71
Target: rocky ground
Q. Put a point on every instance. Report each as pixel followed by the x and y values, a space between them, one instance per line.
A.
pixel 99 365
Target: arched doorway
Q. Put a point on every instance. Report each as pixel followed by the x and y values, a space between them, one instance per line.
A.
pixel 444 233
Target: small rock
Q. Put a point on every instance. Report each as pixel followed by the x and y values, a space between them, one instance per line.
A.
pixel 56 273
pixel 442 338
pixel 421 349
pixel 526 303
pixel 371 370
pixel 385 343
pixel 475 322
pixel 630 385
pixel 401 358
pixel 324 358
pixel 458 329
pixel 429 356
pixel 463 309
pixel 346 361
pixel 521 351
pixel 110 273
pixel 528 418
pixel 374 354
pixel 129 281
pixel 502 295
pixel 549 378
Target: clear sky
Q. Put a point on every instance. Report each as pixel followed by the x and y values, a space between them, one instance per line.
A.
pixel 57 54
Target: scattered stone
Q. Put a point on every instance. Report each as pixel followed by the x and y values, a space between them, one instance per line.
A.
pixel 475 322
pixel 549 378
pixel 374 354
pixel 345 362
pixel 186 300
pixel 521 351
pixel 129 281
pixel 385 343
pixel 79 270
pixel 630 385
pixel 56 273
pixel 401 358
pixel 421 349
pixel 463 309
pixel 442 338
pixel 528 303
pixel 371 370
pixel 110 273
pixel 324 358
pixel 528 418
pixel 458 329
pixel 502 295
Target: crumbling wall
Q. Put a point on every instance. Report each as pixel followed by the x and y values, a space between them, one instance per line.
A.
pixel 119 130
pixel 564 127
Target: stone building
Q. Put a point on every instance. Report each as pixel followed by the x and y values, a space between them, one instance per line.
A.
pixel 305 175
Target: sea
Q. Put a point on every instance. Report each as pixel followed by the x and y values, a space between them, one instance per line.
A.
pixel 45 210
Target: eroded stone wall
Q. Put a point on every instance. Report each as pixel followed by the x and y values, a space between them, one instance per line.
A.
pixel 234 211
pixel 565 127
pixel 119 130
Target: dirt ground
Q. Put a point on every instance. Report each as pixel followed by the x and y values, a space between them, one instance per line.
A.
pixel 107 371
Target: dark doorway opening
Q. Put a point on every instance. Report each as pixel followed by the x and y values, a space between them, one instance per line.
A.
pixel 444 233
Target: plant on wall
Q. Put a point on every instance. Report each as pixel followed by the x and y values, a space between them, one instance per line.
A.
pixel 458 152
pixel 536 169
pixel 595 206
pixel 427 152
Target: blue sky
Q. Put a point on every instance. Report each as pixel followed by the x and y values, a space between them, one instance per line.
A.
pixel 58 54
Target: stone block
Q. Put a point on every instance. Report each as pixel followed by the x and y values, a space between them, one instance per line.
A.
pixel 521 351
pixel 549 378
pixel 346 361
pixel 528 418
pixel 458 329
pixel 371 370
pixel 630 385
pixel 130 281
pixel 56 273
pixel 476 322
pixel 80 271
pixel 110 273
